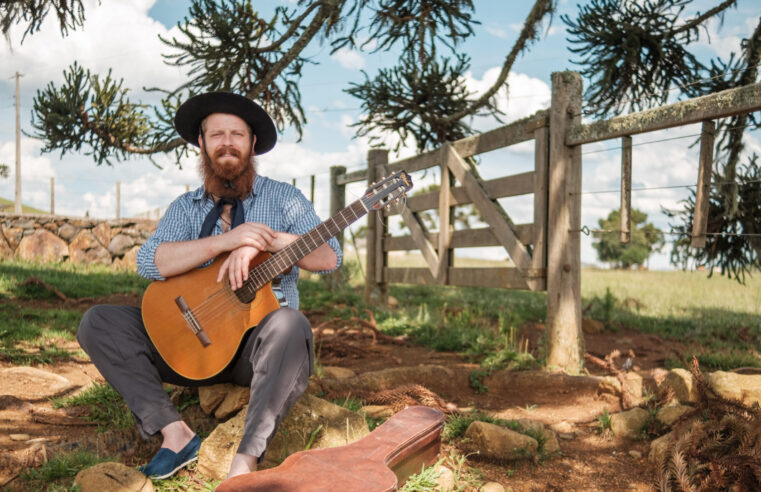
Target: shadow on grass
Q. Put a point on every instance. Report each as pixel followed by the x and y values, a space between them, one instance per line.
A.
pixel 75 281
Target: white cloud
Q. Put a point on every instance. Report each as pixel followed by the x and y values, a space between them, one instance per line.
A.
pixel 496 31
pixel 116 35
pixel 723 40
pixel 348 58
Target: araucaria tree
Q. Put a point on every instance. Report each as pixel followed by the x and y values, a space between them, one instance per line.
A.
pixel 638 54
pixel 228 45
pixel 645 239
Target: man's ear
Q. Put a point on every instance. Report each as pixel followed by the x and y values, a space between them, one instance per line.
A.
pixel 200 141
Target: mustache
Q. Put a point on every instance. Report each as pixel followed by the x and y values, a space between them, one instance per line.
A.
pixel 227 149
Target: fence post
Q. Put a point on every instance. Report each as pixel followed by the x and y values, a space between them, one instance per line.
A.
pixel 703 193
pixel 626 189
pixel 375 288
pixel 52 196
pixel 337 279
pixel 541 192
pixel 118 199
pixel 565 340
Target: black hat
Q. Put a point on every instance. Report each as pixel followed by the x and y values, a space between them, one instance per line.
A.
pixel 188 119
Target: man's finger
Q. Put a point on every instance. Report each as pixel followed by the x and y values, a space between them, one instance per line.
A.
pixel 223 269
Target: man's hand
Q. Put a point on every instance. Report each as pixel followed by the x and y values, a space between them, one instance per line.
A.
pixel 236 266
pixel 253 234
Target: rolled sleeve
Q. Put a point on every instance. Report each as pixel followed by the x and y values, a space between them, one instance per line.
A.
pixel 300 214
pixel 175 225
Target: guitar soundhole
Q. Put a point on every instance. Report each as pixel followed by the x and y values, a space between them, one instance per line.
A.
pixel 245 294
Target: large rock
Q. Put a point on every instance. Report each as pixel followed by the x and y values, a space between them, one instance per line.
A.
pixel 439 379
pixel 5 250
pixel 683 384
pixel 312 423
pixel 129 260
pixel 496 442
pixel 112 477
pixel 13 235
pixel 335 372
pixel 29 383
pixel 120 244
pixel 223 399
pixel 629 423
pixel 102 233
pixel 67 232
pixel 659 447
pixel 670 414
pixel 743 387
pixel 42 246
pixel 84 248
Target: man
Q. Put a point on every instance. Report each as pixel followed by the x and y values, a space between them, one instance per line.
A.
pixel 235 211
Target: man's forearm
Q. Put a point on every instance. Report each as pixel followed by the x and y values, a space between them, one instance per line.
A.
pixel 174 258
pixel 322 258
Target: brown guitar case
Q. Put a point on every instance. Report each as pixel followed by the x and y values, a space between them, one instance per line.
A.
pixel 378 462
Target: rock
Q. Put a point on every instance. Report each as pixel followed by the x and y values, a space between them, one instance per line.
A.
pixel 6 253
pixel 20 437
pixel 102 233
pixel 592 326
pixel 659 447
pixel 681 381
pixel 492 487
pixel 29 383
pixel 335 372
pixel 120 244
pixel 393 302
pixel 611 384
pixel 67 232
pixel 113 477
pixel 129 260
pixel 445 479
pixel 439 379
pixel 12 235
pixel 551 444
pixel 563 427
pixel 629 423
pixel 222 399
pixel 496 442
pixel 312 422
pixel 531 425
pixel 42 246
pixel 743 387
pixel 670 414
pixel 635 454
pixel 84 248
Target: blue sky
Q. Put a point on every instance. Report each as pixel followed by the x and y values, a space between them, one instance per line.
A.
pixel 122 35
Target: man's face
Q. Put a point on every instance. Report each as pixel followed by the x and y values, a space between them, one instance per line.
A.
pixel 228 144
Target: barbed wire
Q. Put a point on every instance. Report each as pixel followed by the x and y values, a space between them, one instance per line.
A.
pixel 587 232
pixel 718 183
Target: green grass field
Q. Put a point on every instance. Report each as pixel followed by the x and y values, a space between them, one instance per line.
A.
pixel 7 206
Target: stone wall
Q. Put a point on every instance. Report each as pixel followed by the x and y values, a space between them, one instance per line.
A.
pixel 53 238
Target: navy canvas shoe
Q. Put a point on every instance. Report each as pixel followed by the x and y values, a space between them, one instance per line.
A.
pixel 166 462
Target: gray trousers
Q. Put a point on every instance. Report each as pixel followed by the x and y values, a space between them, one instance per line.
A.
pixel 275 361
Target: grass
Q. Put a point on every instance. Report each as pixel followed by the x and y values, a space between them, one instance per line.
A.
pixel 106 406
pixel 33 336
pixel 57 474
pixel 7 206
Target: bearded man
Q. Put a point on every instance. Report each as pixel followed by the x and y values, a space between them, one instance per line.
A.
pixel 236 211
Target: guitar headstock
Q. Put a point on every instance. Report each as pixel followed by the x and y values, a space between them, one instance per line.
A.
pixel 387 190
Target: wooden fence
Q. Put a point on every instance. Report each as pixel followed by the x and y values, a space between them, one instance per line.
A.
pixel 546 254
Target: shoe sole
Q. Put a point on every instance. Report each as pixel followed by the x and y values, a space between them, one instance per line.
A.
pixel 161 477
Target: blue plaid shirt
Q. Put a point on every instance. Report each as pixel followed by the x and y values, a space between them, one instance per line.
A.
pixel 279 205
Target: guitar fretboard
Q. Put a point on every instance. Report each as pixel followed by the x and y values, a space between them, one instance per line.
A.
pixel 284 259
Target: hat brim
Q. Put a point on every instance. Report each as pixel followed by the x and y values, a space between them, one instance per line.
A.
pixel 188 119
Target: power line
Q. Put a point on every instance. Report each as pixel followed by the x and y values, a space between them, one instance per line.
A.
pixel 599 192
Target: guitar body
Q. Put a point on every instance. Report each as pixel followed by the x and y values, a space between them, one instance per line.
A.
pixel 221 315
pixel 379 462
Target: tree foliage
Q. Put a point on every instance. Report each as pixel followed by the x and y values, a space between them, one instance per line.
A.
pixel 733 243
pixel 228 45
pixel 645 240
pixel 31 13
pixel 641 54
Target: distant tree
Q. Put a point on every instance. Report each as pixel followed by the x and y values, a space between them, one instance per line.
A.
pixel 645 240
pixel 4 170
pixel 228 45
pixel 639 54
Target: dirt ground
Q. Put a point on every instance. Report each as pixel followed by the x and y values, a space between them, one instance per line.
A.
pixel 588 459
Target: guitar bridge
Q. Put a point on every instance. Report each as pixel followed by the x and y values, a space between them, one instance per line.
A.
pixel 192 322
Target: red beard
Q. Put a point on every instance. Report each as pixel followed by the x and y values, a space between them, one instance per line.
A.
pixel 230 180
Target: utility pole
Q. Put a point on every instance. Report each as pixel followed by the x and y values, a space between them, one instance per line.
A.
pixel 118 199
pixel 17 207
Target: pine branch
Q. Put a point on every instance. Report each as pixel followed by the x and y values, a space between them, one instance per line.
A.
pixel 528 34
pixel 697 21
pixel 70 14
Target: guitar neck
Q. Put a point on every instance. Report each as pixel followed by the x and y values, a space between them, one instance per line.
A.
pixel 284 259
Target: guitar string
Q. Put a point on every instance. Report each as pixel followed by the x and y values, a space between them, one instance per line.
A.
pixel 206 311
pixel 211 307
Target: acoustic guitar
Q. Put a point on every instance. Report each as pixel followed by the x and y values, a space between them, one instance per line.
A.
pixel 197 324
pixel 379 462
